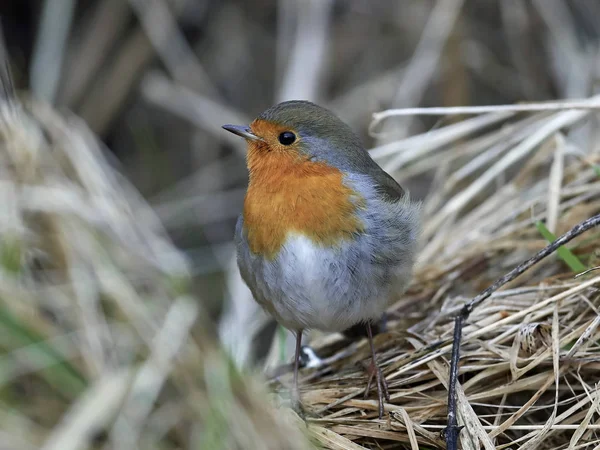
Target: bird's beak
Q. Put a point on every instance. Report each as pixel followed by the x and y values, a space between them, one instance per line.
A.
pixel 242 131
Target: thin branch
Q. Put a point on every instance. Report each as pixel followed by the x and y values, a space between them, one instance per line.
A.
pixel 565 238
pixel 453 429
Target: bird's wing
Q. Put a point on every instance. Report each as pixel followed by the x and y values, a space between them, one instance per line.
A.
pixel 386 186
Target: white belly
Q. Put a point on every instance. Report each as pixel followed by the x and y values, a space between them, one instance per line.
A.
pixel 309 286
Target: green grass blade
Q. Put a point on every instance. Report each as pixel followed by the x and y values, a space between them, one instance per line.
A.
pixel 282 336
pixel 563 252
pixel 60 374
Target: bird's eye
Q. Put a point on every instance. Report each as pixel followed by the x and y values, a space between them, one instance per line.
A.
pixel 287 138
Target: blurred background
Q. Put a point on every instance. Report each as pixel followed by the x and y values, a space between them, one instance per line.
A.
pixel 155 79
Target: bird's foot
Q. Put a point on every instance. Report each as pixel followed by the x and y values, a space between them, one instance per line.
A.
pixel 374 371
pixel 296 404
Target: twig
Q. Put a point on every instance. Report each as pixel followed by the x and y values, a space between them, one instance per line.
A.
pixel 452 431
pixel 519 427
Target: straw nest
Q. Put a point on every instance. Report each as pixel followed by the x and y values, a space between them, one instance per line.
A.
pixel 530 355
pixel 95 319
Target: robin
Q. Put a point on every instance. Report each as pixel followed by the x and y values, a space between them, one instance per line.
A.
pixel 326 238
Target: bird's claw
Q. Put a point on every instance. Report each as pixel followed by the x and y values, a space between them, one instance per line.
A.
pixel 296 404
pixel 374 371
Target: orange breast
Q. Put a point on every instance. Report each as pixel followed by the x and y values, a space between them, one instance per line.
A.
pixel 288 193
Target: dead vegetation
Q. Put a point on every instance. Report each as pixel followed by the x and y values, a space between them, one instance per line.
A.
pixel 108 330
pixel 530 352
pixel 98 323
pixel 103 346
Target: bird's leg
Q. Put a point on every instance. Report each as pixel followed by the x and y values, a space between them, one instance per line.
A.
pixel 295 395
pixel 375 371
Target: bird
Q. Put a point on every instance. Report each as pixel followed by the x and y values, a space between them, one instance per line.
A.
pixel 326 239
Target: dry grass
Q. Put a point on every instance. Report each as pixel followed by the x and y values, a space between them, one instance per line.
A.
pixel 102 346
pixel 530 354
pixel 98 327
